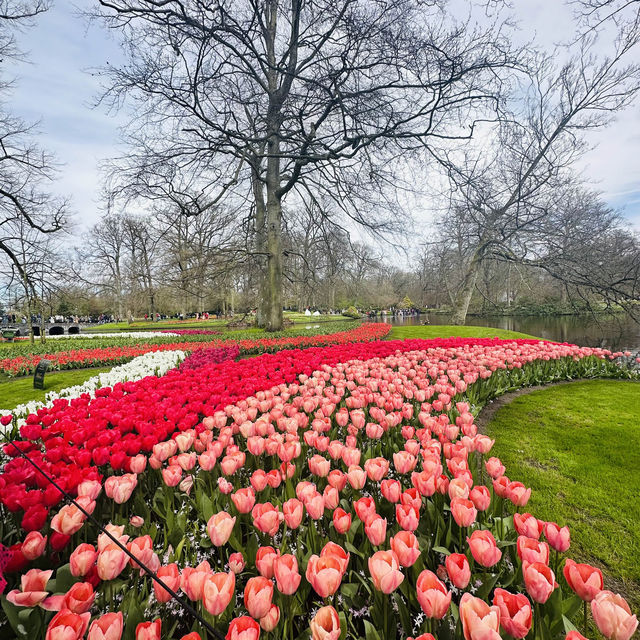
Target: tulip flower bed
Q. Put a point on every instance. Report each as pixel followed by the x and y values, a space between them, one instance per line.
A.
pixel 204 357
pixel 192 332
pixel 333 492
pixel 118 354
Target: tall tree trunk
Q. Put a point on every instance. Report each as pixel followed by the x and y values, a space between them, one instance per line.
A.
pixel 271 293
pixel 43 337
pixel 463 298
pixel 261 245
pixel 272 284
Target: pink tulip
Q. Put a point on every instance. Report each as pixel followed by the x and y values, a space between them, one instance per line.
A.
pixel 68 520
pixel 315 506
pixel 526 525
pixel 192 580
pixel 391 490
pixel 220 527
pixel 483 548
pixel 293 511
pixel 79 598
pixel 341 520
pixel 530 550
pixel 172 475
pixel 171 577
pixel 324 574
pixel 538 580
pixel 286 573
pixel 32 590
pixel 137 464
pixel 405 545
pixel 244 499
pixel 149 630
pixel 357 477
pixel 463 512
pixel 408 517
pixel 265 558
pixel 385 571
pixel 270 621
pixel 518 494
pixel 217 591
pixel 612 616
pixel 236 562
pixel 243 628
pixel 559 538
pixel 120 488
pixel 433 596
pixel 325 625
pixel 494 468
pixel 109 626
pixel 111 562
pixel 82 559
pixel 258 594
pixel 480 497
pixel 33 545
pixel 376 530
pixel 479 620
pixel 266 518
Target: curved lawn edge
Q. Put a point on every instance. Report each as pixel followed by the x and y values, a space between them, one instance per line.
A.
pixel 581 464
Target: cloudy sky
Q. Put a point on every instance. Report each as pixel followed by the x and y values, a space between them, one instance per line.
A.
pixel 57 89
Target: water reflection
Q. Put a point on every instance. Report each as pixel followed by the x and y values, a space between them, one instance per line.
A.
pixel 612 332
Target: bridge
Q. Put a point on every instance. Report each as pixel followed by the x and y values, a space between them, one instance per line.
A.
pixel 51 328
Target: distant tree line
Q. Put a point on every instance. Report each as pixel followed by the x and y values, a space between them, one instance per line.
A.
pixel 276 149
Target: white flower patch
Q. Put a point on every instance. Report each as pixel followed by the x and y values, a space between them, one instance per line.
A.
pixel 154 363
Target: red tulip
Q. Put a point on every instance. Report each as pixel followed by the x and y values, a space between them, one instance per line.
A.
pixel 149 630
pixel 458 569
pixel 584 579
pixel 68 625
pixel 243 628
pixel 515 612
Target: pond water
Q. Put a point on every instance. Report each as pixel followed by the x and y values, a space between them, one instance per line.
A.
pixel 618 332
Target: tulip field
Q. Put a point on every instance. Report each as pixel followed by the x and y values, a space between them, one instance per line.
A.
pixel 333 487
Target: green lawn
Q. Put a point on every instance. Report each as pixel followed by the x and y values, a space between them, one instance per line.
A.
pixel 578 446
pixel 449 331
pixel 17 391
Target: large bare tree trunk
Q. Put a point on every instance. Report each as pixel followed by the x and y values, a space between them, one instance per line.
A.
pixel 43 337
pixel 463 299
pixel 261 245
pixel 272 283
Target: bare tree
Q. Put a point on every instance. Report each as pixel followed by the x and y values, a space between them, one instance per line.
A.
pixel 102 257
pixel 141 240
pixel 25 205
pixel 262 99
pixel 501 192
pixel 624 14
